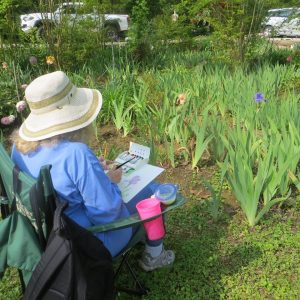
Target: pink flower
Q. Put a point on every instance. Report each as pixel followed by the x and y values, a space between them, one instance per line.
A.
pixel 4 65
pixel 24 86
pixel 289 58
pixel 33 60
pixel 21 105
pixel 8 120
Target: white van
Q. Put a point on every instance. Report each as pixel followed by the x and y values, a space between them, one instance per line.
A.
pixel 290 28
pixel 281 21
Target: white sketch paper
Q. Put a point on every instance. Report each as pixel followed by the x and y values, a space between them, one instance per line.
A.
pixel 133 181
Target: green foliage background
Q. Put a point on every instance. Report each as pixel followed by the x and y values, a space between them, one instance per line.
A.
pixel 228 259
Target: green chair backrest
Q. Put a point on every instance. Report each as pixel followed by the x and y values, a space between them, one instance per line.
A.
pixel 6 171
pixel 43 184
pixel 20 245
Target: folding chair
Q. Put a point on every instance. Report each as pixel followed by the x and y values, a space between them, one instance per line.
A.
pixel 18 190
pixel 133 220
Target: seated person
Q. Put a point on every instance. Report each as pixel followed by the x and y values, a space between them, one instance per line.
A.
pixel 57 132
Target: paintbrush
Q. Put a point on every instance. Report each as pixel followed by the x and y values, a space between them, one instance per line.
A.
pixel 119 166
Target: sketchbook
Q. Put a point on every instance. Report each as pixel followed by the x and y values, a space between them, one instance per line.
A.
pixel 137 172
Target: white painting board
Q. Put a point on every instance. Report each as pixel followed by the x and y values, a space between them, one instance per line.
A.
pixel 132 183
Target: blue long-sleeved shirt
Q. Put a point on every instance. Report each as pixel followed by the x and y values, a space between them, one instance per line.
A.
pixel 79 178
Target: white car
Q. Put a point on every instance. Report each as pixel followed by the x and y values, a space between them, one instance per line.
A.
pixel 116 25
pixel 280 21
pixel 289 28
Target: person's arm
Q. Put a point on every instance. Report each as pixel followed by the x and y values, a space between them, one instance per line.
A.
pixel 101 197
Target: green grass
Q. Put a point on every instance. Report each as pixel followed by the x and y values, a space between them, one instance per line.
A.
pixel 219 260
pixel 10 288
pixel 227 259
pixel 214 260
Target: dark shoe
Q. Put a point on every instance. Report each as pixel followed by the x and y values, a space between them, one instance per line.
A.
pixel 149 263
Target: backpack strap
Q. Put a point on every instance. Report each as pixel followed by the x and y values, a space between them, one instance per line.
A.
pixel 60 227
pixel 56 253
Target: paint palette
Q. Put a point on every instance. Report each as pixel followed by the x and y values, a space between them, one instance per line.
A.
pixel 137 154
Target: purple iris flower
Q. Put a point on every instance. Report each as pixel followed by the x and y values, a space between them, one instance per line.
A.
pixel 259 97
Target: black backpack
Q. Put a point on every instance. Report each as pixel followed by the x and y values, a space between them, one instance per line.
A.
pixel 75 265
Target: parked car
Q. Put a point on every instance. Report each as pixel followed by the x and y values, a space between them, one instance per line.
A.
pixel 281 21
pixel 116 25
pixel 289 28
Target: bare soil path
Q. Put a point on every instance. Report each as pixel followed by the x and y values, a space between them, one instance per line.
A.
pixel 284 43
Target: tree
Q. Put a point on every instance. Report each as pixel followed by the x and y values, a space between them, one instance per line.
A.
pixel 154 7
pixel 9 14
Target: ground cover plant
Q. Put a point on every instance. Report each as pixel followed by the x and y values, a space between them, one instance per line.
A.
pixel 224 259
pixel 227 131
pixel 240 138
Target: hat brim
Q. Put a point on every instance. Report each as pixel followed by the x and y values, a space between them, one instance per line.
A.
pixel 81 111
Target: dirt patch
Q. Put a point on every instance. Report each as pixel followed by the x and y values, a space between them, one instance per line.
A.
pixel 189 180
pixel 284 43
pixel 109 140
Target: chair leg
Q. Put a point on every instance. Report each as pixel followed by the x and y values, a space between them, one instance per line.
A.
pixel 140 289
pixel 124 257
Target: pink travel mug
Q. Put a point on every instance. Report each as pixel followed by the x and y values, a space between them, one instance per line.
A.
pixel 148 208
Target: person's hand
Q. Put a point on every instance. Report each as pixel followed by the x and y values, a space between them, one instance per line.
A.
pixel 115 175
pixel 106 164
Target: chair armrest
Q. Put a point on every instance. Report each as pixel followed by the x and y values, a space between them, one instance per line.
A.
pixel 135 219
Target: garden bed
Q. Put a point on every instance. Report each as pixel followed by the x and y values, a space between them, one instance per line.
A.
pixel 215 259
pixel 201 117
pixel 224 258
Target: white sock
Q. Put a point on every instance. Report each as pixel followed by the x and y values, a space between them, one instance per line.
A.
pixel 154 251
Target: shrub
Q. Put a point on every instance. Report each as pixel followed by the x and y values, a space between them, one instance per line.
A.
pixel 77 45
pixel 9 18
pixel 140 32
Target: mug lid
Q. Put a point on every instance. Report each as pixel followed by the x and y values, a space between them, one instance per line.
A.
pixel 166 191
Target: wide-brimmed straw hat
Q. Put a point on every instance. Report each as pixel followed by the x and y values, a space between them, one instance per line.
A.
pixel 57 107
